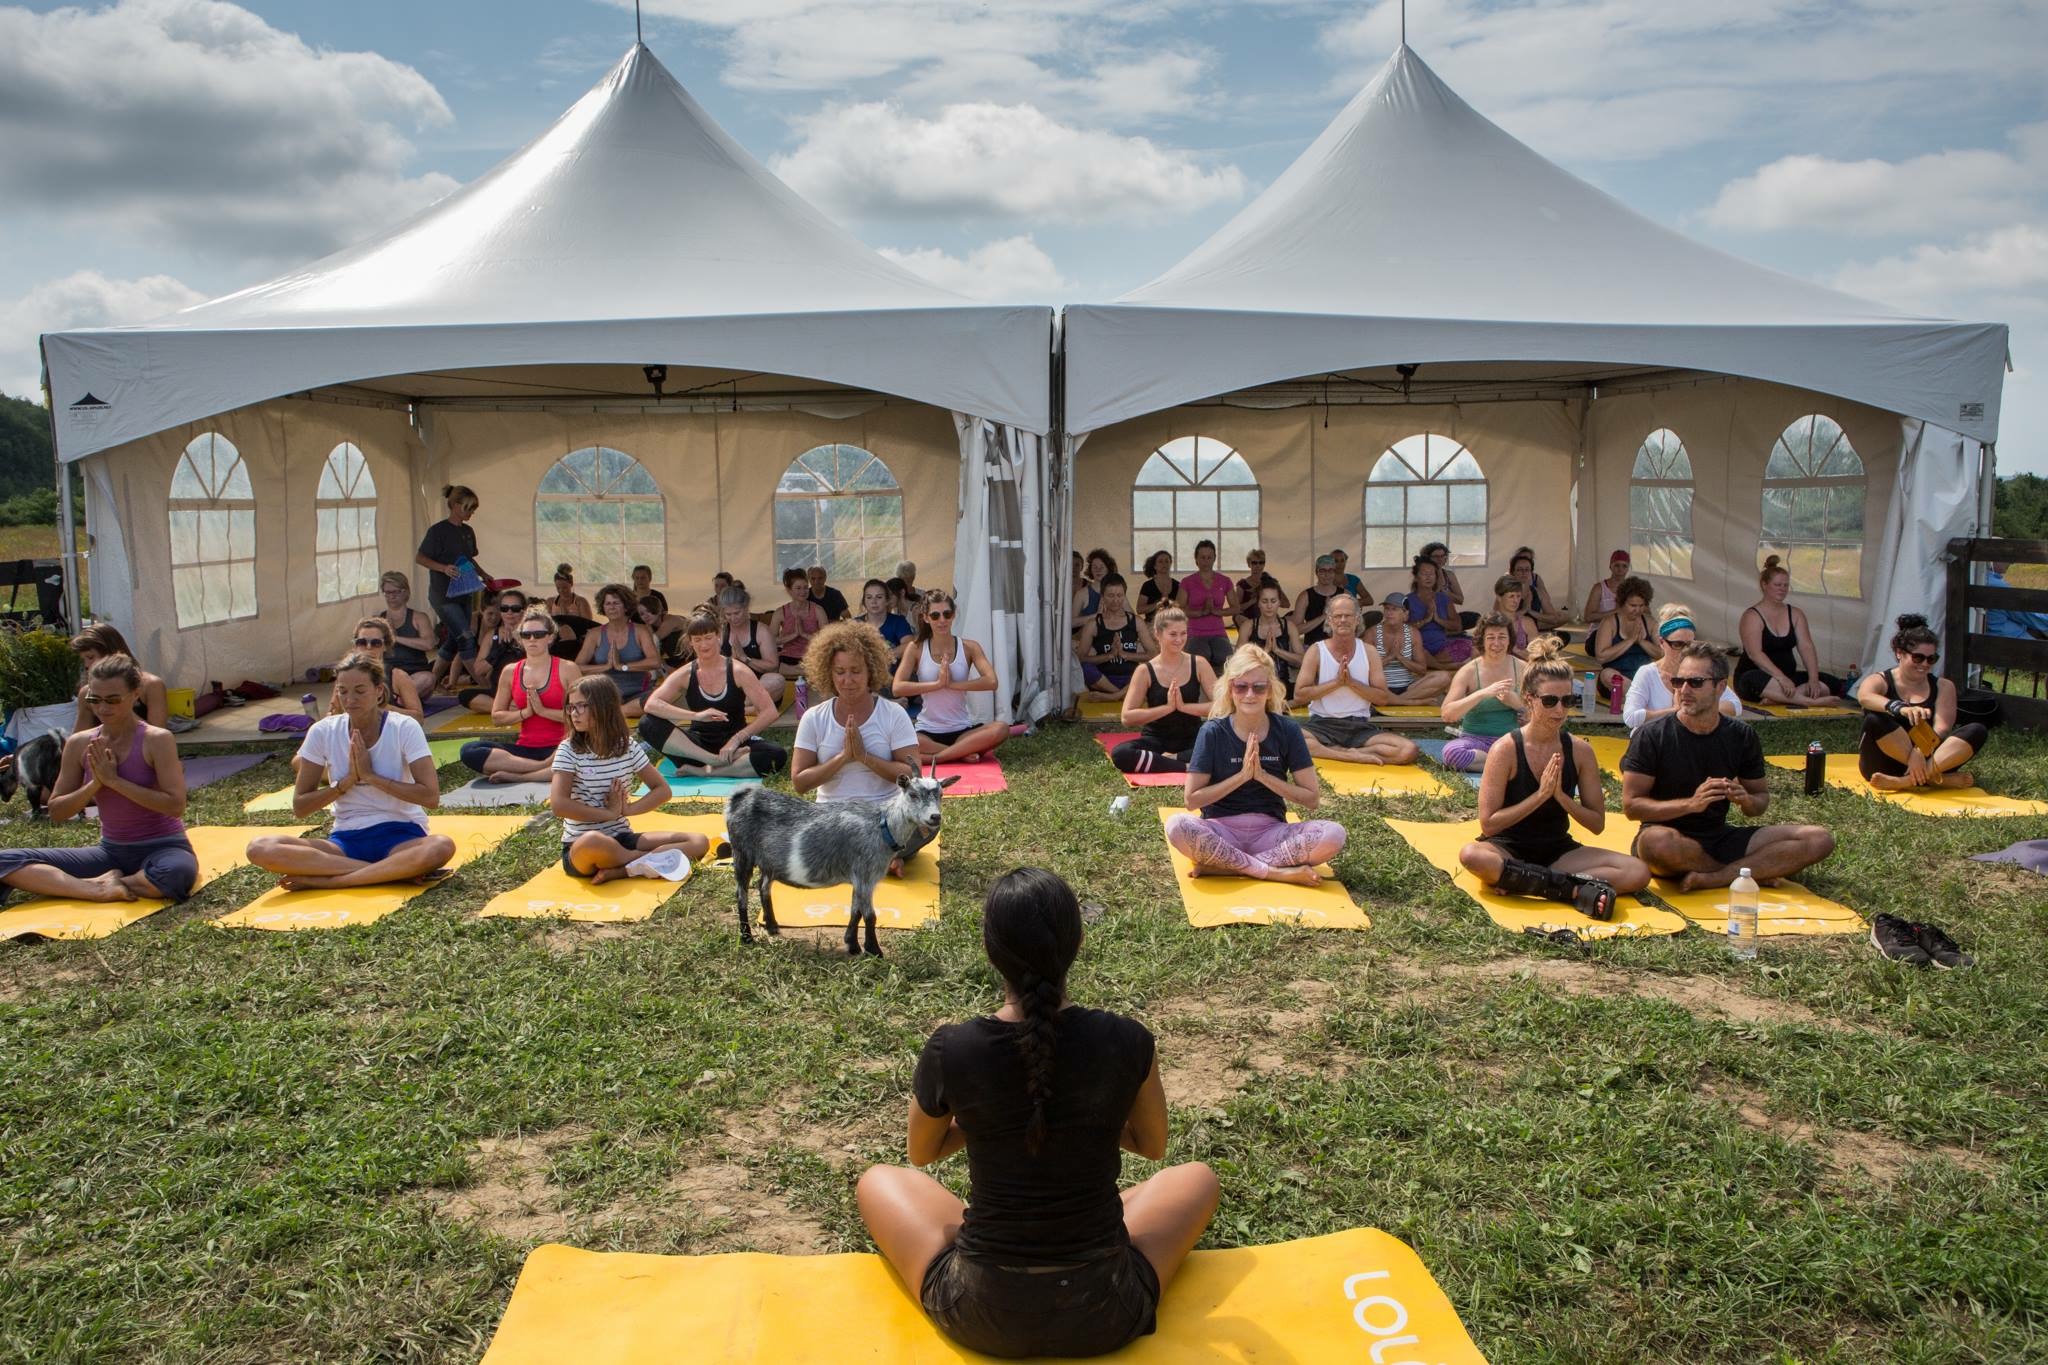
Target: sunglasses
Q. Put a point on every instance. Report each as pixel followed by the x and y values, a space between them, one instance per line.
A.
pixel 1918 657
pixel 369 642
pixel 91 700
pixel 1550 701
pixel 1687 680
pixel 938 616
pixel 535 634
pixel 1250 689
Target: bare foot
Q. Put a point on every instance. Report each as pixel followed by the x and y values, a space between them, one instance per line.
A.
pixel 1958 778
pixel 140 887
pixel 606 874
pixel 1194 872
pixel 108 886
pixel 1298 876
pixel 298 881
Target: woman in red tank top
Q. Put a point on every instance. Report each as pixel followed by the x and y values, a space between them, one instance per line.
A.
pixel 531 694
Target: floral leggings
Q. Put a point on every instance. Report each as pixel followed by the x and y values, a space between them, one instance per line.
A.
pixel 1253 845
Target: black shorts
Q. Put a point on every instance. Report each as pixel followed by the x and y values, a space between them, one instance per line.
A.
pixel 1542 852
pixel 1087 1309
pixel 945 739
pixel 1724 847
pixel 1341 732
pixel 628 841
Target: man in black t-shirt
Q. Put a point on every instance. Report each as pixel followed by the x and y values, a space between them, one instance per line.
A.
pixel 1684 770
pixel 830 600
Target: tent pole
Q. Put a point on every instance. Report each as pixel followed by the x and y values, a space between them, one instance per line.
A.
pixel 67 529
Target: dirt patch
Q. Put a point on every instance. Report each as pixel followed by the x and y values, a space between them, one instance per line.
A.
pixel 24 978
pixel 511 1194
pixel 1846 1152
pixel 1698 994
pixel 572 937
pixel 1209 1051
pixel 841 1145
pixel 740 1212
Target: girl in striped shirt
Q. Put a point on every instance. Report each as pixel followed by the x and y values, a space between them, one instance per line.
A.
pixel 595 770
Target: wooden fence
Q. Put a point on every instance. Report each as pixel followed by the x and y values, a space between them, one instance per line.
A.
pixel 1962 650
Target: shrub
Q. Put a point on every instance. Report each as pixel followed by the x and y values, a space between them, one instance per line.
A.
pixel 37 668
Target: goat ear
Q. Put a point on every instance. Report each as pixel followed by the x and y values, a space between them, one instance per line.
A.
pixel 949 781
pixel 903 782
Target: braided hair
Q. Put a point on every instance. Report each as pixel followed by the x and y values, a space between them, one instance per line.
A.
pixel 1031 927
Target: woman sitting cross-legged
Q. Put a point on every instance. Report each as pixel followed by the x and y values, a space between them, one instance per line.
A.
pixel 379 777
pixel 129 769
pixel 1250 760
pixel 530 694
pixel 1112 643
pixel 943 668
pixel 373 638
pixel 1168 698
pixel 1271 629
pixel 876 610
pixel 1910 736
pixel 1431 611
pixel 623 648
pixel 152 699
pixel 853 742
pixel 497 646
pixel 412 633
pixel 796 621
pixel 698 716
pixel 1046 1258
pixel 1533 790
pixel 1649 691
pixel 750 641
pixel 594 772
pixel 1510 599
pixel 1624 642
pixel 1780 665
pixel 1485 700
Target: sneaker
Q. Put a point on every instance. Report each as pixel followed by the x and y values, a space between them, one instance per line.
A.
pixel 1897 940
pixel 1940 948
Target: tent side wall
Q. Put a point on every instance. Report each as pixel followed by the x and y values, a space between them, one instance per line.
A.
pixel 1729 429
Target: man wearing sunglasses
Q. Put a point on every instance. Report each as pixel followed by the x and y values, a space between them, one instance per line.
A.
pixel 1910 736
pixel 1684 770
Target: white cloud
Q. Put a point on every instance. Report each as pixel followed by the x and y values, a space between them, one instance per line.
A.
pixel 990 160
pixel 1007 270
pixel 83 299
pixel 1876 197
pixel 197 122
pixel 2006 267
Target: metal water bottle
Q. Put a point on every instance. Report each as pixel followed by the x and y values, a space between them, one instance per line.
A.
pixel 1816 768
pixel 1742 912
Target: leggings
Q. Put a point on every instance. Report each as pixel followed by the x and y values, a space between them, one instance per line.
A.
pixel 1253 845
pixel 477 751
pixel 1751 682
pixel 1215 648
pixel 655 732
pixel 455 616
pixel 169 863
pixel 1467 753
pixel 1871 760
pixel 1144 754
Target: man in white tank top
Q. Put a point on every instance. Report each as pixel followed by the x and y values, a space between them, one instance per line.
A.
pixel 1341 678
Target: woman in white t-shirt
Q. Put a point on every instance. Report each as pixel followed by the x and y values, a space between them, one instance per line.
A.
pixel 1649 691
pixel 373 766
pixel 595 769
pixel 853 742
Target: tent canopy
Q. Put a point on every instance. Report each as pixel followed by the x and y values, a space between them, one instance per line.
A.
pixel 634 231
pixel 1415 231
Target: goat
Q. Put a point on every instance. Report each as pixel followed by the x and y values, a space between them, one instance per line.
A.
pixel 813 844
pixel 34 770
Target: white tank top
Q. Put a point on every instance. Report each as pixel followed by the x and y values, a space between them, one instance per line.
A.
pixel 1342 702
pixel 944 712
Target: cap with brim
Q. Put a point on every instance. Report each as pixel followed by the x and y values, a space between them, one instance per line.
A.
pixel 1620 556
pixel 1394 599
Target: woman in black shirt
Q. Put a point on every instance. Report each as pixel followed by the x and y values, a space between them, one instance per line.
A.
pixel 446 544
pixel 1045 1258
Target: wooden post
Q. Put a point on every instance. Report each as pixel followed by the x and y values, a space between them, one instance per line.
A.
pixel 1955 634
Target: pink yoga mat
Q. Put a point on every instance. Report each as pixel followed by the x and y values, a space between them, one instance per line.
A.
pixel 976 779
pixel 1109 742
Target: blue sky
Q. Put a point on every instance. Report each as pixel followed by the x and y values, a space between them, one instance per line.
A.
pixel 156 151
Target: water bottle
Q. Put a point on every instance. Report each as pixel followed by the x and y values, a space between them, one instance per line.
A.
pixel 1591 695
pixel 803 695
pixel 1816 768
pixel 1120 805
pixel 1742 917
pixel 307 705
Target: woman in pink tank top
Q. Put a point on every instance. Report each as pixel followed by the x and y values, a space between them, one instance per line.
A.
pixel 531 694
pixel 1210 599
pixel 130 770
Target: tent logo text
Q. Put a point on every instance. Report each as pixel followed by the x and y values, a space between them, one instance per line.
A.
pixel 90 403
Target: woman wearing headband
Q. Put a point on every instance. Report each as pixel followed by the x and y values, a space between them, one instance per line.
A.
pixel 1650 691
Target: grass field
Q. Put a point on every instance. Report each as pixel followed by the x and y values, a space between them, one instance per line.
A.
pixel 236 1146
pixel 27 542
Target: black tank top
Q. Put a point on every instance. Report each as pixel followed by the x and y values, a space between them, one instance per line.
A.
pixel 1177 731
pixel 1285 639
pixel 1124 641
pixel 1314 612
pixel 1548 823
pixel 749 650
pixel 1782 650
pixel 712 734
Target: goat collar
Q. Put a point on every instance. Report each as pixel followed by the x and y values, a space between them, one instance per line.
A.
pixel 889 836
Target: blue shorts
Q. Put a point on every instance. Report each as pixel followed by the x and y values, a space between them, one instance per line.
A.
pixel 374 843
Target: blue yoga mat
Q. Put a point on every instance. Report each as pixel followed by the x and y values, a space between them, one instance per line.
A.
pixel 1435 749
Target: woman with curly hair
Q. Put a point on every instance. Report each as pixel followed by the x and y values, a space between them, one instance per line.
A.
pixel 1045 1258
pixel 853 742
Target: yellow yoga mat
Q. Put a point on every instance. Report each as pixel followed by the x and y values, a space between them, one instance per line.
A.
pixel 272 802
pixel 1787 908
pixel 1380 779
pixel 1783 712
pixel 1440 844
pixel 554 894
pixel 1101 708
pixel 1420 711
pixel 220 851
pixel 1607 751
pixel 1212 901
pixel 471 723
pixel 281 910
pixel 1350 1296
pixel 1842 773
pixel 900 902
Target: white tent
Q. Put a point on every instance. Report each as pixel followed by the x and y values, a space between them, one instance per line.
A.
pixel 1424 267
pixel 510 322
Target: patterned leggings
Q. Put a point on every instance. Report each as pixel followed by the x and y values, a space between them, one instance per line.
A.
pixel 1467 753
pixel 1253 845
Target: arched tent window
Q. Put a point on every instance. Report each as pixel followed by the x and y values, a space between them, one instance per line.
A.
pixel 839 506
pixel 213 534
pixel 1660 506
pixel 1813 508
pixel 600 511
pixel 1424 488
pixel 345 527
pixel 1192 489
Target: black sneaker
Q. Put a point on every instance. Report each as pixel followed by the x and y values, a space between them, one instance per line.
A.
pixel 1940 948
pixel 1897 940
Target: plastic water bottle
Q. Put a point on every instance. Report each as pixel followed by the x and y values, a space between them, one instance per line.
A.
pixel 1816 767
pixel 1120 805
pixel 1590 696
pixel 307 704
pixel 803 695
pixel 1742 917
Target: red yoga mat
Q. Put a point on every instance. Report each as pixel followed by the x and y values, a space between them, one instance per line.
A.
pixel 976 779
pixel 1110 741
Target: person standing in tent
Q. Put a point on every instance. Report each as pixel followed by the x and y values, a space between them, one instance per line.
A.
pixel 448 544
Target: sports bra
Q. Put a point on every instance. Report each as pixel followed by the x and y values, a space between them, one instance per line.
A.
pixel 712 734
pixel 750 648
pixel 628 653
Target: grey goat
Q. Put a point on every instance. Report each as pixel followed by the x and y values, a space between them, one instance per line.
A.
pixel 814 844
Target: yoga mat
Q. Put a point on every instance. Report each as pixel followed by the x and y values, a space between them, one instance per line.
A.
pixel 1110 739
pixel 1435 749
pixel 281 910
pixel 439 702
pixel 213 767
pixel 691 787
pixel 1405 711
pixel 446 751
pixel 1608 751
pixel 1787 908
pixel 976 779
pixel 1380 779
pixel 271 802
pixel 1843 775
pixel 1439 843
pixel 555 894
pixel 900 902
pixel 220 851
pixel 1782 712
pixel 1211 900
pixel 483 794
pixel 1331 1298
pixel 470 723
pixel 1101 708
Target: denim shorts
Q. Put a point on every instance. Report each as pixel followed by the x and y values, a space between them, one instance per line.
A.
pixel 1088 1308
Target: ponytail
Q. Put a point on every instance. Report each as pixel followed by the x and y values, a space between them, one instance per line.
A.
pixel 1031 928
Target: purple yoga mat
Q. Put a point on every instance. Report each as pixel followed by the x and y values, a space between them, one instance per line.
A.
pixel 437 703
pixel 2032 854
pixel 213 767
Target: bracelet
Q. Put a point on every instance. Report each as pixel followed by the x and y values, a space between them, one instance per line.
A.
pixel 1894 707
